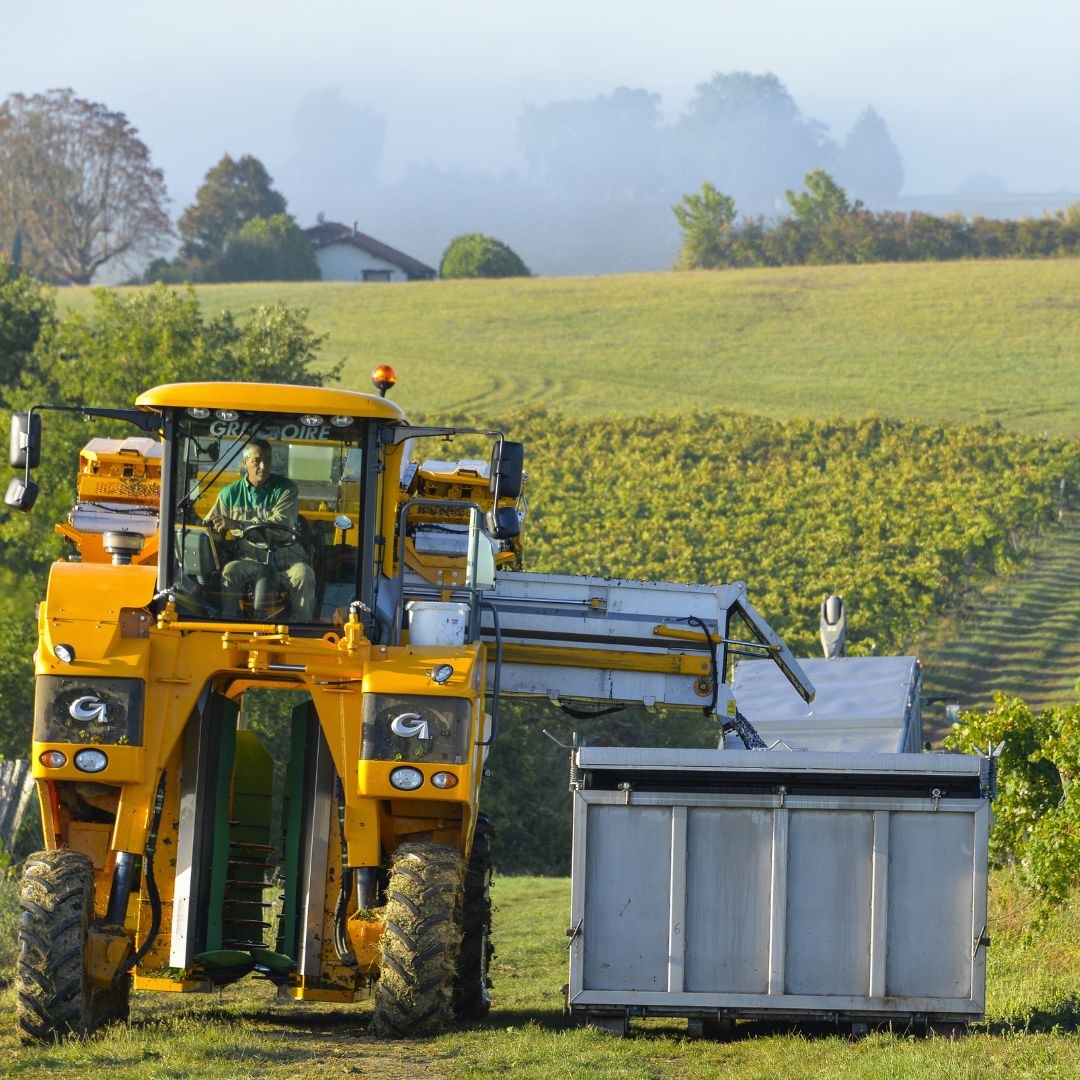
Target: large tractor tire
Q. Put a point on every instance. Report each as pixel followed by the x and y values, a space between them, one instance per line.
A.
pixel 420 942
pixel 55 997
pixel 472 1000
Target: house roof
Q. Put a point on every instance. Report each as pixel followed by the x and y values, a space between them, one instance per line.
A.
pixel 332 232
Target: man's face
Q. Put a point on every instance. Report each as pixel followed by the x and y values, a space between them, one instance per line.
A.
pixel 257 466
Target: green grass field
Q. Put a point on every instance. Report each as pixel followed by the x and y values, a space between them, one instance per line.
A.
pixel 943 342
pixel 1033 1005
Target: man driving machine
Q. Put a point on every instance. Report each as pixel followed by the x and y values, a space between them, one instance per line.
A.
pixel 263 507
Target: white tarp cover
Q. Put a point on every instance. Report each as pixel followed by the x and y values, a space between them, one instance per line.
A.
pixel 866 703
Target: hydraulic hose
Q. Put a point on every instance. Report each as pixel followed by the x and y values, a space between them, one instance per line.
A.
pixel 341 908
pixel 151 884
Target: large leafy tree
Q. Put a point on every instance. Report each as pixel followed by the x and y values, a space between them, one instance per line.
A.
pixel 232 193
pixel 707 222
pixel 824 200
pixel 78 191
pixel 337 147
pixel 473 255
pixel 268 249
pixel 870 165
pixel 610 145
pixel 745 133
pixel 26 309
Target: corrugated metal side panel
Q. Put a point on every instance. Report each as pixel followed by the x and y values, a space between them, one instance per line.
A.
pixel 829 877
pixel 930 899
pixel 728 886
pixel 626 907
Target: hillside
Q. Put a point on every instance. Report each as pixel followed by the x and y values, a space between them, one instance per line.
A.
pixel 941 342
pixel 945 343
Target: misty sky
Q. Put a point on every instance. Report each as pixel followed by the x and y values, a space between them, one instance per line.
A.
pixel 988 87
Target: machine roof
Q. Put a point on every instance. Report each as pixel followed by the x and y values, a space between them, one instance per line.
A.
pixel 269 397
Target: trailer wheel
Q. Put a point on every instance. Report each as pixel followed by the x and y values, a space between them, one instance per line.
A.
pixel 471 998
pixel 55 997
pixel 420 941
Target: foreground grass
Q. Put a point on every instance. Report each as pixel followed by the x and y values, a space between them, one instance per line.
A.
pixel 934 341
pixel 1031 1031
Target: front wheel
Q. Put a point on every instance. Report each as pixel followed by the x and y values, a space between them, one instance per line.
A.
pixel 420 941
pixel 472 1000
pixel 55 996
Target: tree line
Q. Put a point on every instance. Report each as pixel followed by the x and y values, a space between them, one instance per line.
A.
pixel 826 226
pixel 79 194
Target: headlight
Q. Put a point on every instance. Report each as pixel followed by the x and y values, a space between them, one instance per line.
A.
pixel 90 760
pixel 406 778
pixel 440 673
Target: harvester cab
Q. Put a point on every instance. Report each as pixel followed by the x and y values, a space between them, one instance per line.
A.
pixel 258 539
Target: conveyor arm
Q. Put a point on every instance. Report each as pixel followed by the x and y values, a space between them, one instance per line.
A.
pixel 642 643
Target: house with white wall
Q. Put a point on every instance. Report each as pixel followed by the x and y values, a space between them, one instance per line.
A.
pixel 346 254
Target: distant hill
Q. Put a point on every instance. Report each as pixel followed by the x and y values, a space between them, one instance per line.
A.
pixel 935 341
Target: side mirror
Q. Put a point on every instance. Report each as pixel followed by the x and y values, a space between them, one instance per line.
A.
pixel 502 523
pixel 507 469
pixel 25 440
pixel 21 494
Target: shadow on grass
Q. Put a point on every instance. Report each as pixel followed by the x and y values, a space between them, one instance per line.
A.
pixel 1062 1019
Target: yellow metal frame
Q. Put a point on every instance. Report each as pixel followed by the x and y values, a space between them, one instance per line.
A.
pixel 102 612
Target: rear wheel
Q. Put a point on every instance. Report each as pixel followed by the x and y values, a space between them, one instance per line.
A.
pixel 55 996
pixel 420 941
pixel 472 1000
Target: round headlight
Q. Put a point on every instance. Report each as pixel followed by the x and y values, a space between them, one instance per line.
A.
pixel 227 414
pixel 64 653
pixel 198 412
pixel 341 421
pixel 444 780
pixel 441 672
pixel 90 760
pixel 311 420
pixel 406 778
pixel 53 759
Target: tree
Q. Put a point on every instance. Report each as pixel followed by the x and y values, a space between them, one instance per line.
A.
pixel 473 255
pixel 708 227
pixel 26 309
pixel 78 191
pixel 268 249
pixel 337 147
pixel 824 200
pixel 1037 808
pixel 610 145
pixel 231 194
pixel 869 164
pixel 746 134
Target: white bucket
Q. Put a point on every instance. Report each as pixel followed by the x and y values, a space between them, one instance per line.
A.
pixel 434 623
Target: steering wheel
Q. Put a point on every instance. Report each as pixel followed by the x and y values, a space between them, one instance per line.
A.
pixel 271 535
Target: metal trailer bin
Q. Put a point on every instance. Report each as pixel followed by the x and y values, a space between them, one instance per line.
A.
pixel 861 703
pixel 725 884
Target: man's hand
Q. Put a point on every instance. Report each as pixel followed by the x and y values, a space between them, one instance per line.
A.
pixel 221 523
